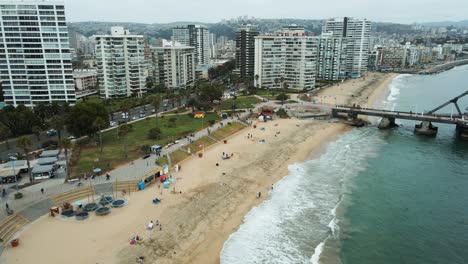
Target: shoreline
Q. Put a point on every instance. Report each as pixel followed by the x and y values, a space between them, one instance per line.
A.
pixel 214 202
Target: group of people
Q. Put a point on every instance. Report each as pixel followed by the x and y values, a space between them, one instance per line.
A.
pixel 151 225
pixel 226 156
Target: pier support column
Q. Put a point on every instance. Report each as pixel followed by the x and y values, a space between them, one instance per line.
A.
pixel 426 128
pixel 462 131
pixel 387 123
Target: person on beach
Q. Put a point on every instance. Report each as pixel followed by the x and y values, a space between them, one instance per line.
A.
pixel 157 222
pixel 42 190
pixel 150 225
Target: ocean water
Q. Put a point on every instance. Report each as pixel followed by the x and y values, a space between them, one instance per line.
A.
pixel 373 196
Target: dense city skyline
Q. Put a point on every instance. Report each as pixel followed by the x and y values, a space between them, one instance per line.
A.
pixel 209 11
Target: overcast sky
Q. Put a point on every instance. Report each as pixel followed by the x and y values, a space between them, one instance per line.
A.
pixel 163 11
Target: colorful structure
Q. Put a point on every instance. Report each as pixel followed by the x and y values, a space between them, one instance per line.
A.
pixel 199 115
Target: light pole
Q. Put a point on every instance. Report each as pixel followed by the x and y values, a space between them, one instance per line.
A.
pixel 13 159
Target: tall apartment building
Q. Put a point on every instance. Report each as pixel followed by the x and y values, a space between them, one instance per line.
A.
pixel 174 65
pixel 196 36
pixel 290 55
pixel 245 50
pixel 356 41
pixel 331 58
pixel 35 61
pixel 121 64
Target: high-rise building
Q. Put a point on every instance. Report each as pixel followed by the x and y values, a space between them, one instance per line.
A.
pixel 174 65
pixel 356 41
pixel 288 57
pixel 330 62
pixel 196 36
pixel 245 51
pixel 35 61
pixel 121 64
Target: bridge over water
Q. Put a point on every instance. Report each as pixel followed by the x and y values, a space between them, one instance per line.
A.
pixel 460 120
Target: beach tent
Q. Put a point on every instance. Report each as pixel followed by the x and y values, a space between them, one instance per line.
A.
pixel 49 153
pixel 8 176
pixel 43 172
pixel 47 161
pixel 20 165
pixel 156 148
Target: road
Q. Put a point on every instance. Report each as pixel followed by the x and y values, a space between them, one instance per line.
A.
pixel 6 150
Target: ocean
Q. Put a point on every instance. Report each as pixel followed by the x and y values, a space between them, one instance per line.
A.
pixel 373 196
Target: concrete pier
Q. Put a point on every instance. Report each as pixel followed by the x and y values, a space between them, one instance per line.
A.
pixel 387 123
pixel 426 129
pixel 462 131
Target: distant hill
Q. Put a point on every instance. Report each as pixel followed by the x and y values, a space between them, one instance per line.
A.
pixel 460 24
pixel 224 28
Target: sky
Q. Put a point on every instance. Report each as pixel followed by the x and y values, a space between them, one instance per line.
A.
pixel 209 11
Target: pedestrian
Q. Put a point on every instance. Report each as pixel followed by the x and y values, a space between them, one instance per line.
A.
pixel 147 163
pixel 7 206
pixel 107 176
pixel 160 227
pixel 157 222
pixel 42 190
pixel 272 186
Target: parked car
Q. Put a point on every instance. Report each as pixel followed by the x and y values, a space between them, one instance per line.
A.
pixel 134 117
pixel 112 124
pixel 51 132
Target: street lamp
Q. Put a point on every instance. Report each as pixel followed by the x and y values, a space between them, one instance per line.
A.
pixel 12 158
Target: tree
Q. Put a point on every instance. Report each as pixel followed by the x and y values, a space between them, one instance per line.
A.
pixel 81 117
pixel 19 120
pixel 210 92
pixel 126 106
pixel 281 79
pixel 124 129
pixel 25 144
pixel 57 123
pixel 282 97
pixel 99 124
pixel 37 132
pixel 155 101
pixel 5 134
pixel 257 77
pixel 154 133
pixel 66 144
pixel 277 81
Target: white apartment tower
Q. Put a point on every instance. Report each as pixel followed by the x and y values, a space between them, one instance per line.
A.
pixel 177 65
pixel 290 55
pixel 35 61
pixel 331 58
pixel 196 36
pixel 356 42
pixel 121 64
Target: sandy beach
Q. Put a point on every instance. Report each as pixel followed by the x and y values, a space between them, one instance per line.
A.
pixel 209 202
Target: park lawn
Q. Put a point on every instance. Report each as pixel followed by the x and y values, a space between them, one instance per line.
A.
pixel 240 103
pixel 178 156
pixel 227 130
pixel 113 153
pixel 195 146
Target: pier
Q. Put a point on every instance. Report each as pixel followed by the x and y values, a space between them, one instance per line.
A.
pixel 460 120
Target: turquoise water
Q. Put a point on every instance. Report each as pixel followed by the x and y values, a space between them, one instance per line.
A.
pixel 373 196
pixel 410 205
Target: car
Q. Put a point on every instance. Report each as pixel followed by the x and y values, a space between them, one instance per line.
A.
pixel 142 115
pixel 112 124
pixel 134 117
pixel 125 115
pixel 51 132
pixel 71 137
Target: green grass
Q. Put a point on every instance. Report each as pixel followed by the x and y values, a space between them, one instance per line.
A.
pixel 195 146
pixel 178 156
pixel 114 154
pixel 227 130
pixel 241 102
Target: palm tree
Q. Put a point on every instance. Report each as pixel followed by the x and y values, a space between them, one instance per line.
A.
pixel 57 123
pixel 99 124
pixel 155 101
pixel 66 145
pixel 257 77
pixel 5 133
pixel 281 81
pixel 285 87
pixel 125 107
pixel 25 144
pixel 37 131
pixel 123 132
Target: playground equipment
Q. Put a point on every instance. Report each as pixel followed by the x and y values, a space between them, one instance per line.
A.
pixel 118 203
pixel 90 207
pixel 82 216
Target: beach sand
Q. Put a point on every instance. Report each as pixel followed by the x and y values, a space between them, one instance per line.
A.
pixel 212 205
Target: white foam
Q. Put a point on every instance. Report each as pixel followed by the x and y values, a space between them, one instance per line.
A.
pixel 318 251
pixel 301 211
